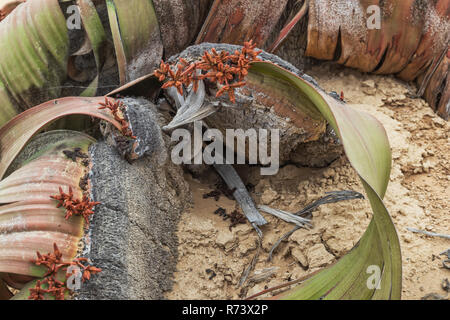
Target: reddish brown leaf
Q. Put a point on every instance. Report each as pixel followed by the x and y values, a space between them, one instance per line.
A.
pixel 237 21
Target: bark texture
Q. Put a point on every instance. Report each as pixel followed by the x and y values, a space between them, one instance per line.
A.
pixel 132 234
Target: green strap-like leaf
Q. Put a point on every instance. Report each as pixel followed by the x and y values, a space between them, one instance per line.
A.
pixel 367 148
pixel 30 220
pixel 97 37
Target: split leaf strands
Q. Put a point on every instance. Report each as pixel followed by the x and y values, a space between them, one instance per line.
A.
pixel 60 166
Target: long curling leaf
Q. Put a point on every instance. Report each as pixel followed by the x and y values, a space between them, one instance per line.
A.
pixel 367 148
pixel 135 32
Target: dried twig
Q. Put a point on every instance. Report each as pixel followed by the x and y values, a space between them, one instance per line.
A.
pixel 286 216
pixel 224 69
pixel 433 296
pixel 431 234
pixel 252 264
pixel 331 197
pixel 431 72
pixel 192 108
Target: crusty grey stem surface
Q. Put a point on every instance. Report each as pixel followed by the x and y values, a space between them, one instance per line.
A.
pixel 132 233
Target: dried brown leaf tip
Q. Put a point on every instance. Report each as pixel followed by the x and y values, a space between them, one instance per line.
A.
pixel 82 207
pixel 225 69
pixel 117 109
pixel 51 285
